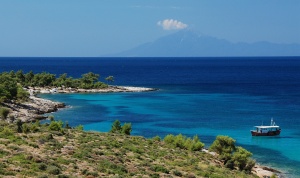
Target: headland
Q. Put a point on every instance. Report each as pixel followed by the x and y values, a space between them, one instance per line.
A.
pixel 35 107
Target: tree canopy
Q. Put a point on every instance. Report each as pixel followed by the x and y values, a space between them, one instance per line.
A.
pixel 12 83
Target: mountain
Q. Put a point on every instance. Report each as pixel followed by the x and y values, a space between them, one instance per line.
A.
pixel 186 43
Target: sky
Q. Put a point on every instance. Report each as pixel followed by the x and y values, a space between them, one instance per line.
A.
pixel 80 28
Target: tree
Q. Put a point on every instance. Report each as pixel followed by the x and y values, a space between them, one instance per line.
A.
pixel 241 157
pixel 88 80
pixel 231 155
pixel 110 79
pixel 28 78
pixel 8 87
pixel 224 146
pixel 22 94
pixel 126 129
pixel 116 127
pixel 20 77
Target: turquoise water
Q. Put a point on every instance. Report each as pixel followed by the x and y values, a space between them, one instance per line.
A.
pixel 204 114
pixel 203 96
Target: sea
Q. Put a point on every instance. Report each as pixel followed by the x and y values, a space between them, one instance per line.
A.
pixel 196 96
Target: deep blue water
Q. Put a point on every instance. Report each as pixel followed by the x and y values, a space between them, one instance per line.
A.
pixel 203 96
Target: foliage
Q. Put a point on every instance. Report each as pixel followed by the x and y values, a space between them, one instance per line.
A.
pixel 110 79
pixel 118 128
pixel 184 142
pixel 79 127
pixel 231 155
pixel 126 129
pixel 4 112
pixel 224 146
pixel 10 89
pixel 56 125
pixel 12 83
pixel 47 153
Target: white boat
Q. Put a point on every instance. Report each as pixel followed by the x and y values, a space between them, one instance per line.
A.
pixel 271 130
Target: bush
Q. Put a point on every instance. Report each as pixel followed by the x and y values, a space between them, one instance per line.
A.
pixel 56 126
pixel 4 112
pixel 169 138
pixel 224 146
pixel 42 166
pixel 156 138
pixel 240 157
pixel 117 128
pixel 53 170
pixel 183 142
pixel 126 129
pixel 159 168
pixel 79 127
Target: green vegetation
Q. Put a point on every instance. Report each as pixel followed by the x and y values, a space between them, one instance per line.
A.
pixel 52 150
pixel 183 142
pixel 12 83
pixel 232 156
pixel 10 88
pixel 117 128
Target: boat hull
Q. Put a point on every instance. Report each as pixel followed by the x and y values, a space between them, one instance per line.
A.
pixel 270 133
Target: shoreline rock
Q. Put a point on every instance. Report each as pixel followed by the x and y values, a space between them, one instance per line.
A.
pixel 31 110
pixel 110 89
pixel 35 107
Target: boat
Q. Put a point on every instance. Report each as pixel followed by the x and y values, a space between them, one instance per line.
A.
pixel 271 130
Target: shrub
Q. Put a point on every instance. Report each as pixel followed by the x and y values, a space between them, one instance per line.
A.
pixel 183 142
pixel 159 168
pixel 4 112
pixel 116 127
pixel 56 125
pixel 79 127
pixel 240 157
pixel 42 166
pixel 25 128
pixel 53 170
pixel 126 129
pixel 156 138
pixel 224 146
pixel 169 138
pixel 177 173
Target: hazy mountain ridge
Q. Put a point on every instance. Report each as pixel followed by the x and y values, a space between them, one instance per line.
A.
pixel 189 44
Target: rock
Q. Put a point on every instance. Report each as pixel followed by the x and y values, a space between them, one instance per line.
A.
pixel 33 109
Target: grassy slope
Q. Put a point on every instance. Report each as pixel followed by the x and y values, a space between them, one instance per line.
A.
pixel 74 153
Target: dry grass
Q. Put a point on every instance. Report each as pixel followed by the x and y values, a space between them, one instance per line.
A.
pixel 74 153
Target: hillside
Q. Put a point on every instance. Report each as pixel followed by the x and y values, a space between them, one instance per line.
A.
pixel 51 151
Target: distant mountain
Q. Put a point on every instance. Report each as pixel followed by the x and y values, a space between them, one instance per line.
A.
pixel 189 44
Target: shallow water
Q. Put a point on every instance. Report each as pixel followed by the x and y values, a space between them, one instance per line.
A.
pixel 203 96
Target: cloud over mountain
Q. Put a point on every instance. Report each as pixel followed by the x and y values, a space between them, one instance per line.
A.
pixel 186 43
pixel 171 24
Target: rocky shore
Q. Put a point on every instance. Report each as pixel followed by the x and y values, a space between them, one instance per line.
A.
pixel 35 107
pixel 31 110
pixel 109 89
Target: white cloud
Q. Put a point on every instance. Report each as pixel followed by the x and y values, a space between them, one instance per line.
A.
pixel 171 24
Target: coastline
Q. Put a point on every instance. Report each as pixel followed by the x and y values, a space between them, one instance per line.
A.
pixel 35 107
pixel 109 89
pixel 259 170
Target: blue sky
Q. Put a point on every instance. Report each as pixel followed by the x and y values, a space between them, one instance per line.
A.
pixel 97 27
